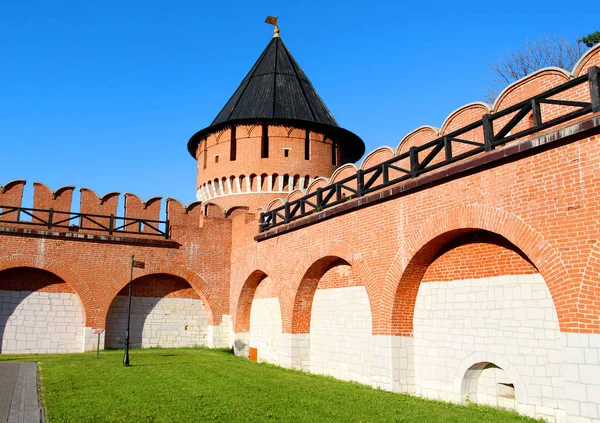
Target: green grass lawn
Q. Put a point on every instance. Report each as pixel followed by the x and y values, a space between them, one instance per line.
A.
pixel 193 385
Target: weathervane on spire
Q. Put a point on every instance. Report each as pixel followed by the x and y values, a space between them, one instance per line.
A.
pixel 273 21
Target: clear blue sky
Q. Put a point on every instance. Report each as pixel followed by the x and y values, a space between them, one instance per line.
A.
pixel 106 94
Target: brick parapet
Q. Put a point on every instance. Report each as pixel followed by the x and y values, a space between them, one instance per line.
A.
pixel 583 128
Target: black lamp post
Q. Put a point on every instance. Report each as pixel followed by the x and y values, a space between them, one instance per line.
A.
pixel 126 357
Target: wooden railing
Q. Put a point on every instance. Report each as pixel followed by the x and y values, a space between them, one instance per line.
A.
pixel 75 222
pixel 441 151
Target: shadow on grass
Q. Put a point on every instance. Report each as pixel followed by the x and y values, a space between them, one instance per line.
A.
pixel 160 364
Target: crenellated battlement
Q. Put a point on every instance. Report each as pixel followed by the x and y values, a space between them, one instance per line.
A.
pixel 52 210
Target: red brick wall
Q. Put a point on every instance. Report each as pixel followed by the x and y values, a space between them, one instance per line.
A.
pixel 543 202
pixel 28 279
pixel 392 245
pixel 477 255
pixel 160 286
pixel 97 271
pixel 266 289
pixel 338 275
pixel 249 162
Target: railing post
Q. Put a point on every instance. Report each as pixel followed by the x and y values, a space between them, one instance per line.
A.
pixel 594 87
pixel 359 182
pixel 286 212
pixel 537 112
pixel 111 224
pixel 50 214
pixel 319 200
pixel 167 229
pixel 448 148
pixel 488 132
pixel 414 162
pixel 385 172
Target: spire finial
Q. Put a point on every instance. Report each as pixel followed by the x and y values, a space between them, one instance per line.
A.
pixel 273 21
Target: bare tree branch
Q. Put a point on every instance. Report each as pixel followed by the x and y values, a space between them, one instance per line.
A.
pixel 544 52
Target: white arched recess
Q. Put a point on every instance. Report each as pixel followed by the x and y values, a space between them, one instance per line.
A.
pixel 508 322
pixel 265 324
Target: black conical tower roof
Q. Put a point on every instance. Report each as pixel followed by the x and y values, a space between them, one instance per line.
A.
pixel 277 91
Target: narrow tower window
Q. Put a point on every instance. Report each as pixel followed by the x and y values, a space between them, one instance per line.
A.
pixel 307 145
pixel 205 153
pixel 333 153
pixel 264 145
pixel 233 144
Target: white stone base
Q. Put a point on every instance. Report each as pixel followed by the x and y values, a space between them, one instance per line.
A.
pixel 393 363
pixel 219 335
pixel 40 322
pixel 509 321
pixel 92 340
pixel 265 330
pixel 340 334
pixel 581 355
pixel 157 322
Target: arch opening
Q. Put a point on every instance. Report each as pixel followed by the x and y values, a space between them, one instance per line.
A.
pixel 486 383
pixel 265 322
pixel 333 306
pixel 258 314
pixel 478 295
pixel 165 312
pixel 39 313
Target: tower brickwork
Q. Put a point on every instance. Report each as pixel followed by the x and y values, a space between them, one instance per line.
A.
pixel 273 136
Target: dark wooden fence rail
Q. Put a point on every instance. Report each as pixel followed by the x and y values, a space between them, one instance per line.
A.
pixel 420 160
pixel 75 222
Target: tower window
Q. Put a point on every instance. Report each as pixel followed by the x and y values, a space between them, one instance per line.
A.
pixel 264 145
pixel 286 152
pixel 216 158
pixel 333 153
pixel 233 144
pixel 205 153
pixel 307 145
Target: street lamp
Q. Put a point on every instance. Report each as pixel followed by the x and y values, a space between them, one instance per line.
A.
pixel 139 265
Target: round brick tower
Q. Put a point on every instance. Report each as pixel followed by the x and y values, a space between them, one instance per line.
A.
pixel 274 135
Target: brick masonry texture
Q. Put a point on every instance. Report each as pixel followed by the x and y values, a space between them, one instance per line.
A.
pixel 475 280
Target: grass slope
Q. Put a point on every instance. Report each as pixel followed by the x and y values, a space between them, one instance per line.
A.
pixel 194 385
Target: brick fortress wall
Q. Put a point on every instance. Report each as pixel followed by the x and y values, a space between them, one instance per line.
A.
pixel 385 293
pixel 472 283
pixel 189 272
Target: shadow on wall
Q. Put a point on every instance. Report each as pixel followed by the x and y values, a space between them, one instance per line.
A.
pixel 165 312
pixel 39 313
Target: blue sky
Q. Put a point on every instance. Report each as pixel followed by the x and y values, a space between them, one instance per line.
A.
pixel 106 94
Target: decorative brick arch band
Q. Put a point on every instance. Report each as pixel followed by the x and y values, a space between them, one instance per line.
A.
pixel 257 270
pixel 404 277
pixel 81 288
pixel 588 302
pixel 209 299
pixel 309 270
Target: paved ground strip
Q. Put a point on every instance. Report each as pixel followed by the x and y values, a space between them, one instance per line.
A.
pixel 18 393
